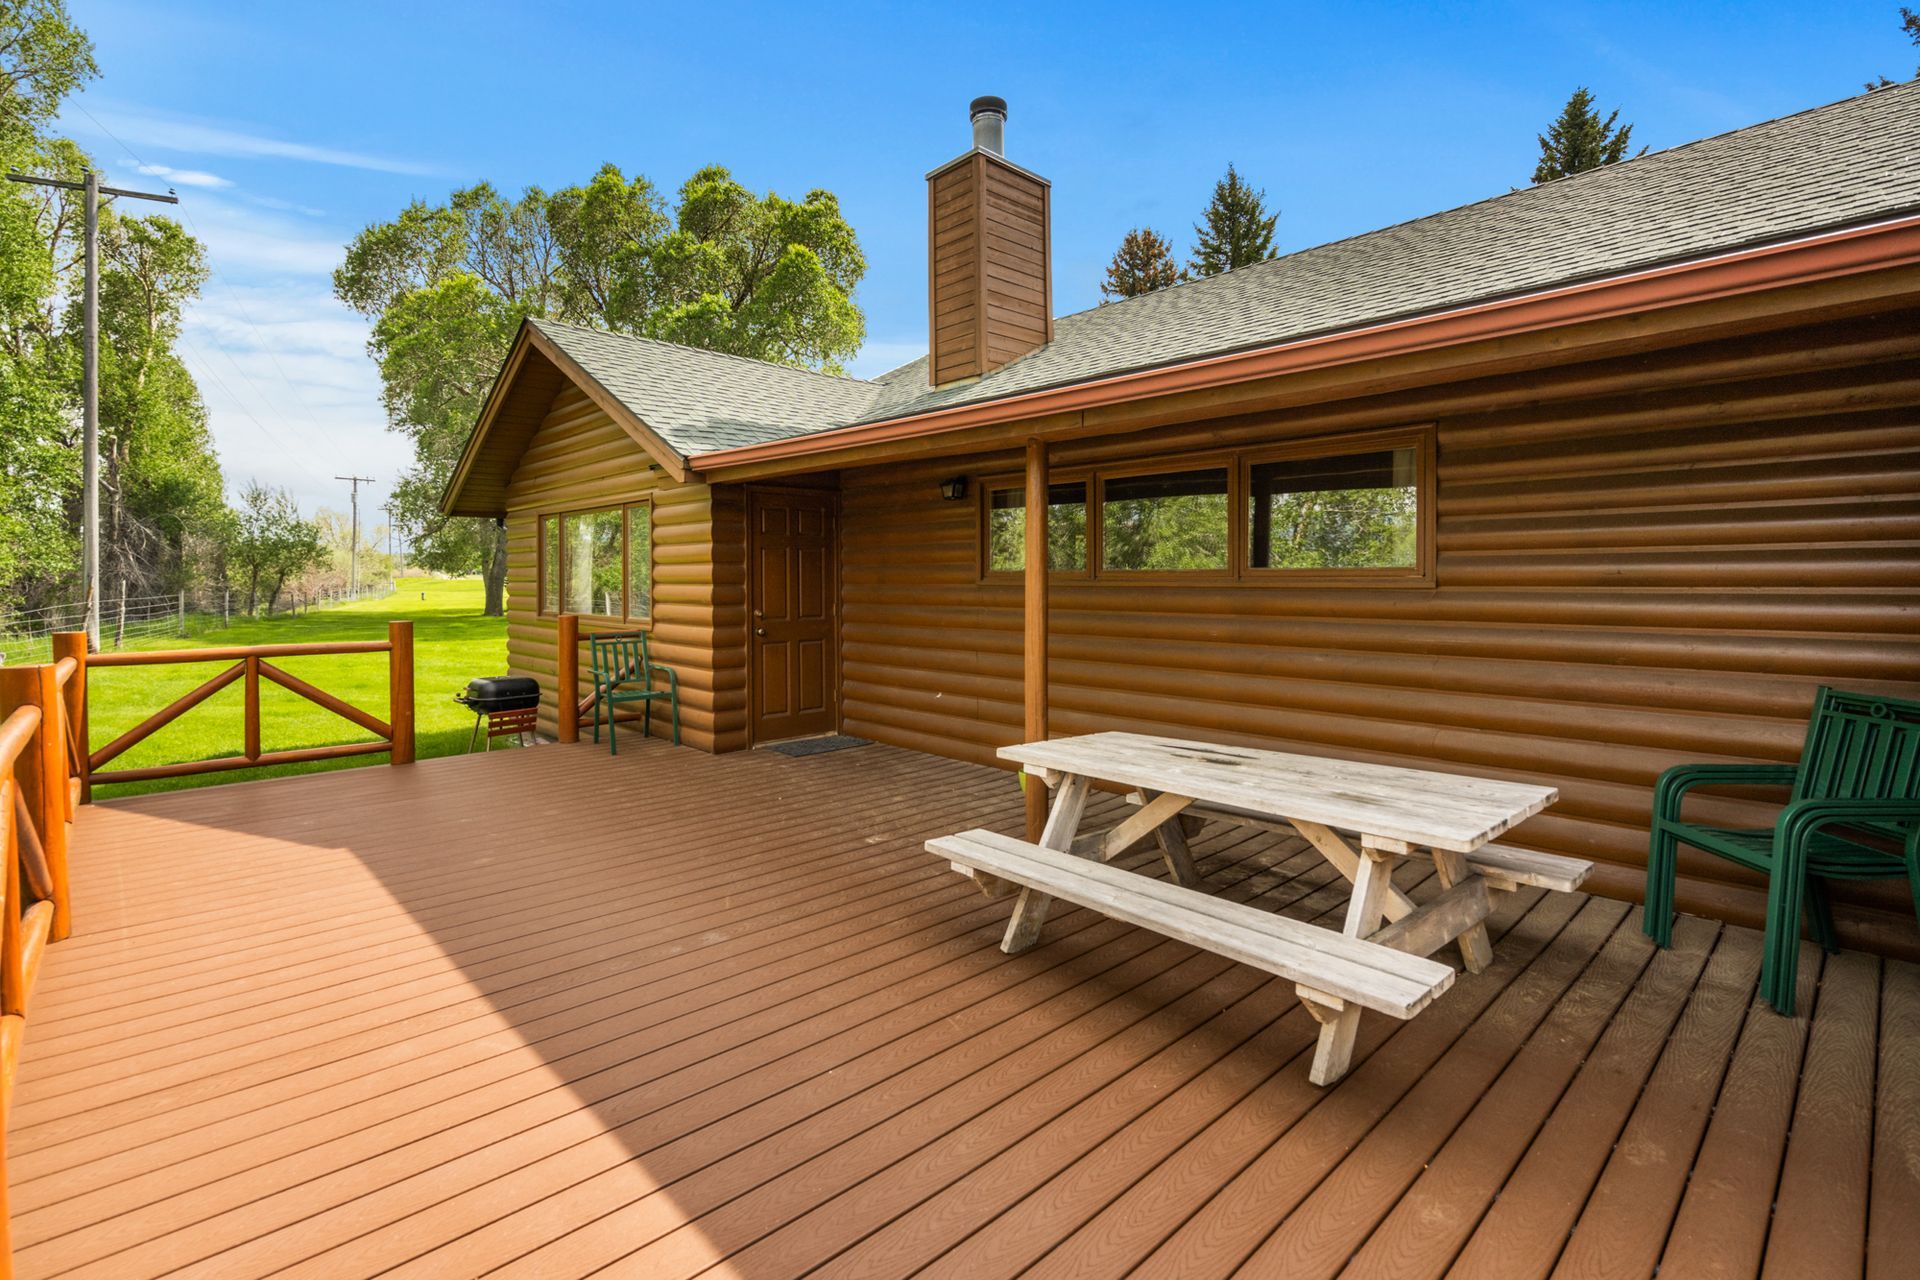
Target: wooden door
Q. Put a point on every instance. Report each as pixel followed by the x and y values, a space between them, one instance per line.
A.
pixel 793 641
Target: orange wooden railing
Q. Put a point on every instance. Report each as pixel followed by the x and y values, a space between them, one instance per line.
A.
pixel 38 792
pixel 251 664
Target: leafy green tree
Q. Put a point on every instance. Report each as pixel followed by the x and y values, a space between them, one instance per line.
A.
pixel 1580 140
pixel 43 58
pixel 271 543
pixel 448 285
pixel 1235 230
pixel 1143 262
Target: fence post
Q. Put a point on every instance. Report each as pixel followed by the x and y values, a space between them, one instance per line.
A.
pixel 567 677
pixel 226 607
pixel 41 776
pixel 73 644
pixel 183 611
pixel 400 690
pixel 120 627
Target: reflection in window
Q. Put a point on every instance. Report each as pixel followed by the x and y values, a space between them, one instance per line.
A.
pixel 1355 511
pixel 1066 528
pixel 550 564
pixel 592 551
pixel 639 562
pixel 1170 521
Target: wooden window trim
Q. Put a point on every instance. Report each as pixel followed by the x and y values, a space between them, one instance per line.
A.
pixel 622 619
pixel 983 515
pixel 1239 464
pixel 1422 440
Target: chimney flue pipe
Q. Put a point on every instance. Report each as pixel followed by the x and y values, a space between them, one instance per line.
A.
pixel 989 115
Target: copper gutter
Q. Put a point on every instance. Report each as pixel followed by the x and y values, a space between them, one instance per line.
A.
pixel 1891 243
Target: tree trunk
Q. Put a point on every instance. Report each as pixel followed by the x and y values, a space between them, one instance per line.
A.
pixel 496 576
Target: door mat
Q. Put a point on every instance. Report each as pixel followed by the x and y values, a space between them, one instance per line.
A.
pixel 818 746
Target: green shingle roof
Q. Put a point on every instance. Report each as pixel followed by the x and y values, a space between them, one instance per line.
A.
pixel 1848 163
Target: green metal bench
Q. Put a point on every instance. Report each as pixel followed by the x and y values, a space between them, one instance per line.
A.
pixel 620 658
pixel 1857 786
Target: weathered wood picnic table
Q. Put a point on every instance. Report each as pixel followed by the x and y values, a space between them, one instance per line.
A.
pixel 1364 819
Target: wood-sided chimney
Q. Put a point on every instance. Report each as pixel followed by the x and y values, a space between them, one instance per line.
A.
pixel 989 256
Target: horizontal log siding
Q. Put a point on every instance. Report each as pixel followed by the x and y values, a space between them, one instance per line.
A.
pixel 1656 570
pixel 580 458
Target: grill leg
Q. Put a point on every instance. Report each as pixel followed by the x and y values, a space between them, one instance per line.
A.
pixel 474 736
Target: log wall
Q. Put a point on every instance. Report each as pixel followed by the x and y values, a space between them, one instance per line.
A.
pixel 1640 562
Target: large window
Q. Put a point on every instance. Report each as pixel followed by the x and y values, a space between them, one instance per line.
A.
pixel 1344 512
pixel 598 563
pixel 1066 528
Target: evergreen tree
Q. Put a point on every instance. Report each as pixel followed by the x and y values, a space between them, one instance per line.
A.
pixel 1910 24
pixel 1142 263
pixel 1580 140
pixel 1235 230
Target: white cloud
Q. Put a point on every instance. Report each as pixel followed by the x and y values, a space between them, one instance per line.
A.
pixel 185 177
pixel 146 128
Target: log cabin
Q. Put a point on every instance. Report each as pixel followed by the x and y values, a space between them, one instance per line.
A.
pixel 1568 485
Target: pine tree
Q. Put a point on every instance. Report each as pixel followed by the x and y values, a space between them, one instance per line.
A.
pixel 1910 24
pixel 1580 140
pixel 1235 230
pixel 1143 262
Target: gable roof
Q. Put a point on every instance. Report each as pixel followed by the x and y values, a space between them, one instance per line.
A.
pixel 1849 163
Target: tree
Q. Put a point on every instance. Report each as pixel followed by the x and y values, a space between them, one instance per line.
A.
pixel 43 58
pixel 271 542
pixel 1580 140
pixel 448 285
pixel 1235 230
pixel 1142 263
pixel 1909 24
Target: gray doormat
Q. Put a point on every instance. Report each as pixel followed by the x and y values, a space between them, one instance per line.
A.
pixel 818 746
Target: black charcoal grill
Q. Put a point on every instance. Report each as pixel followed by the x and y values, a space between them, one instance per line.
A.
pixel 510 705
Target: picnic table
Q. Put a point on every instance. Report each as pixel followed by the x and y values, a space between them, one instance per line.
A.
pixel 1364 819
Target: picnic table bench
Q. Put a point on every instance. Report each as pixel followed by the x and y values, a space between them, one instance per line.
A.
pixel 1364 819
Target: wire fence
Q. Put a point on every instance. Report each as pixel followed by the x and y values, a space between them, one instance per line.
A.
pixel 130 621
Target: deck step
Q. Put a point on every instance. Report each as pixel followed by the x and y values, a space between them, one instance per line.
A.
pixel 1364 973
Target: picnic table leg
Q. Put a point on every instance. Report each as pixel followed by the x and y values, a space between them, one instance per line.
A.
pixel 1063 823
pixel 1172 835
pixel 1347 863
pixel 1339 1019
pixel 1475 950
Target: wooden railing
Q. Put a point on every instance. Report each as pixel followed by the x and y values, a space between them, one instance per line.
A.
pixel 251 664
pixel 39 749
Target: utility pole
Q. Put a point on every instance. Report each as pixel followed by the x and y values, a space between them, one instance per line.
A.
pixel 353 546
pixel 90 187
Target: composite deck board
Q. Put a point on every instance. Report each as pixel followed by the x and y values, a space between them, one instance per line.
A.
pixel 549 1012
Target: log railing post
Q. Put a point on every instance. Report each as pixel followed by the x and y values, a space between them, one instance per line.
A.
pixel 252 728
pixel 40 774
pixel 567 677
pixel 400 690
pixel 1035 639
pixel 73 644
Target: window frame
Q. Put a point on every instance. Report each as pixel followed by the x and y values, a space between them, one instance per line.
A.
pixel 1239 463
pixel 626 615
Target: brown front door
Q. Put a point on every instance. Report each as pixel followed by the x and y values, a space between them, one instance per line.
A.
pixel 792 646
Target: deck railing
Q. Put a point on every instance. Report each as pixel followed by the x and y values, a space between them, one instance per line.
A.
pixel 252 664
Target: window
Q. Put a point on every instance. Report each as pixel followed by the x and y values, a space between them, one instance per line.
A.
pixel 1347 511
pixel 598 563
pixel 1169 521
pixel 1066 528
pixel 1352 511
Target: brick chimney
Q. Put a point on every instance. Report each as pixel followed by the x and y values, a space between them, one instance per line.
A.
pixel 989 256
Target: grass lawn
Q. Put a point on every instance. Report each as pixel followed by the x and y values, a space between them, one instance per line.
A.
pixel 452 643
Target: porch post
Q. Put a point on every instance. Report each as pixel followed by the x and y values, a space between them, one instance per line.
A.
pixel 1035 677
pixel 567 677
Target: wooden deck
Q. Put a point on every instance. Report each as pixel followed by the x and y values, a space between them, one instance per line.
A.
pixel 547 1013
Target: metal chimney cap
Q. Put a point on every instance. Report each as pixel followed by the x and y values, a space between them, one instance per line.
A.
pixel 988 103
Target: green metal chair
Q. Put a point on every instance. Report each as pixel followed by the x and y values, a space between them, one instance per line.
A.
pixel 619 659
pixel 1857 785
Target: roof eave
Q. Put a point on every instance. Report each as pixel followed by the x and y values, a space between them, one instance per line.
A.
pixel 1886 243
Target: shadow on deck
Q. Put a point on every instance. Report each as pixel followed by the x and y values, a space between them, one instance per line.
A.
pixel 548 1012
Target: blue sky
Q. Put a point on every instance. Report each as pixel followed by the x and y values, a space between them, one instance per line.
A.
pixel 286 128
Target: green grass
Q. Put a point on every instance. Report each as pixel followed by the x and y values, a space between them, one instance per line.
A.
pixel 452 643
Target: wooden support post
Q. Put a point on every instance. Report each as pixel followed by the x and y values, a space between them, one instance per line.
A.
pixel 41 776
pixel 1035 640
pixel 120 625
pixel 183 612
pixel 1030 908
pixel 1372 881
pixel 567 676
pixel 400 690
pixel 1475 950
pixel 73 644
pixel 253 707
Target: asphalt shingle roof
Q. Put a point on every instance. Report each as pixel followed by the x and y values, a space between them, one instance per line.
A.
pixel 1850 162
